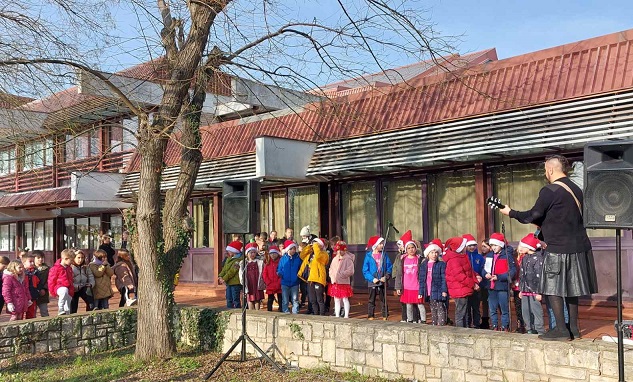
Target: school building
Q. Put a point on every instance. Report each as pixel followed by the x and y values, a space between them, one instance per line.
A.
pixel 420 146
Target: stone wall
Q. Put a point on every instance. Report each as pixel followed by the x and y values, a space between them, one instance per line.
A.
pixel 427 353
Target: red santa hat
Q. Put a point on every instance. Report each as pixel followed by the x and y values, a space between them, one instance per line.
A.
pixel 321 241
pixel 530 242
pixel 340 246
pixel 437 242
pixel 470 239
pixel 497 239
pixel 251 247
pixel 406 244
pixel 288 244
pixel 407 237
pixel 432 247
pixel 456 244
pixel 273 250
pixel 374 241
pixel 234 247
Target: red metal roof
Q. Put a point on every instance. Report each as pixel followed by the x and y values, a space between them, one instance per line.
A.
pixel 52 196
pixel 598 65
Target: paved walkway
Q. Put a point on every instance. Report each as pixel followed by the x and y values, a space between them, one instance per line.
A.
pixel 597 318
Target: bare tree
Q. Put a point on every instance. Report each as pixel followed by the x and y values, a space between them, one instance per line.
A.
pixel 258 40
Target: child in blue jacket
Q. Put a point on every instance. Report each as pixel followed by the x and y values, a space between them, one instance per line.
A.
pixel 377 272
pixel 287 270
pixel 499 270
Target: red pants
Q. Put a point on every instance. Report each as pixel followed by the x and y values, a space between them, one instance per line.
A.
pixel 30 311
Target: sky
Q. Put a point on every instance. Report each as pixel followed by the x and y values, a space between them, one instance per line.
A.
pixel 513 27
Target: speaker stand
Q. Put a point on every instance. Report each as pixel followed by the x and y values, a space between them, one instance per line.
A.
pixel 618 270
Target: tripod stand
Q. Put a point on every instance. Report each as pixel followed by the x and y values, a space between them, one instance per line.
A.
pixel 244 337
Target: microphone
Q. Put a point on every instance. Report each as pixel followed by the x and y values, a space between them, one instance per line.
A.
pixel 392 226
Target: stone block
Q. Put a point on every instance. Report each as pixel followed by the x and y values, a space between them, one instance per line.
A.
pixel 498 342
pixel 475 367
pixel 504 359
pixel 405 369
pixel 588 359
pixel 482 349
pixel 329 350
pixel 465 340
pixel 9 331
pixel 387 335
pixel 362 342
pixel 602 378
pixel 557 355
pixel 355 357
pixel 374 359
pixel 414 357
pixel 456 362
pixel 412 337
pixel 442 334
pixel 459 350
pixel 433 372
pixel 341 357
pixel 307 362
pixel 54 345
pixel 329 330
pixel 26 329
pixel 317 331
pixel 86 320
pixel 495 375
pixel 424 342
pixel 419 372
pixel 41 347
pixel 409 348
pixel 344 336
pixel 439 353
pixel 452 375
pixel 513 376
pixel 88 332
pixel 534 360
pixel 566 372
pixel 389 358
pixel 315 349
pixel 475 378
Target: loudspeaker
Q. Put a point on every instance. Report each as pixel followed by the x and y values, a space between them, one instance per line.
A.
pixel 240 206
pixel 608 194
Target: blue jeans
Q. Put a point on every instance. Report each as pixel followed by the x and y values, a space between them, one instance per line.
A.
pixel 290 293
pixel 233 296
pixel 499 299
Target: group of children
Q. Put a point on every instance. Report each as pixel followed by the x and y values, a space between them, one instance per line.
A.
pixel 472 274
pixel 28 282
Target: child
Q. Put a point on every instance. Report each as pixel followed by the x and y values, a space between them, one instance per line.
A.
pixel 60 281
pixel 102 272
pixel 42 272
pixel 287 270
pixel 15 290
pixel 484 249
pixel 377 272
pixel 4 261
pixel 531 266
pixel 499 270
pixel 315 258
pixel 473 313
pixel 272 279
pixel 408 283
pixel 516 299
pixel 33 281
pixel 125 278
pixel 460 278
pixel 253 283
pixel 341 272
pixel 229 275
pixel 397 272
pixel 83 281
pixel 432 281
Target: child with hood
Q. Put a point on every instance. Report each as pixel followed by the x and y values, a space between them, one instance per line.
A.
pixel 341 272
pixel 15 290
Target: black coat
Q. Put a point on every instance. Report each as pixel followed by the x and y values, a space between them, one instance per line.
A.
pixel 531 271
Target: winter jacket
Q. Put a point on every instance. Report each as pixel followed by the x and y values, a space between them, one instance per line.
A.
pixel 260 281
pixel 460 278
pixel 103 279
pixel 531 269
pixel 82 275
pixel 438 281
pixel 342 268
pixel 60 276
pixel 124 275
pixel 398 278
pixel 42 273
pixel 109 252
pixel 316 259
pixel 371 271
pixel 230 271
pixel 288 269
pixel 271 278
pixel 477 261
pixel 34 283
pixel 504 268
pixel 15 292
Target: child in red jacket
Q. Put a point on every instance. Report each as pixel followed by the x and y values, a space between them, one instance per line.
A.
pixel 460 278
pixel 272 279
pixel 60 281
pixel 33 281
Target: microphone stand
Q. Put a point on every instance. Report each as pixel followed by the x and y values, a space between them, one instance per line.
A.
pixel 383 270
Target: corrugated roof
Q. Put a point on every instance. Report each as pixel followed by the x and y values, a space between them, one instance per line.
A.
pixel 52 196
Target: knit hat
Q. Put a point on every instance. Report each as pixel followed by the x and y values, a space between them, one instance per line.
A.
pixel 374 241
pixel 456 244
pixel 288 244
pixel 340 246
pixel 305 231
pixel 251 247
pixel 432 247
pixel 497 239
pixel 234 247
pixel 470 239
pixel 530 242
pixel 320 241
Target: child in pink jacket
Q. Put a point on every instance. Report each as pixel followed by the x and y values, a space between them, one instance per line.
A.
pixel 15 290
pixel 341 271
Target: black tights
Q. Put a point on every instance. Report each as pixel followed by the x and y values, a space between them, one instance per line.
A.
pixel 556 303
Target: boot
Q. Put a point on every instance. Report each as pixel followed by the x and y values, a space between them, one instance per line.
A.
pixel 559 333
pixel 485 323
pixel 520 327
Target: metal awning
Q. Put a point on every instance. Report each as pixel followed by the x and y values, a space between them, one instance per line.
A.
pixel 565 125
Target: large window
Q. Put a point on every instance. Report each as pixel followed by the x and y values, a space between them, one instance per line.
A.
pixel 82 232
pixel 38 154
pixel 203 222
pixel 278 218
pixel 359 220
pixel 7 237
pixel 38 235
pixel 402 205
pixel 82 146
pixel 303 209
pixel 7 161
pixel 116 230
pixel 452 204
pixel 123 135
